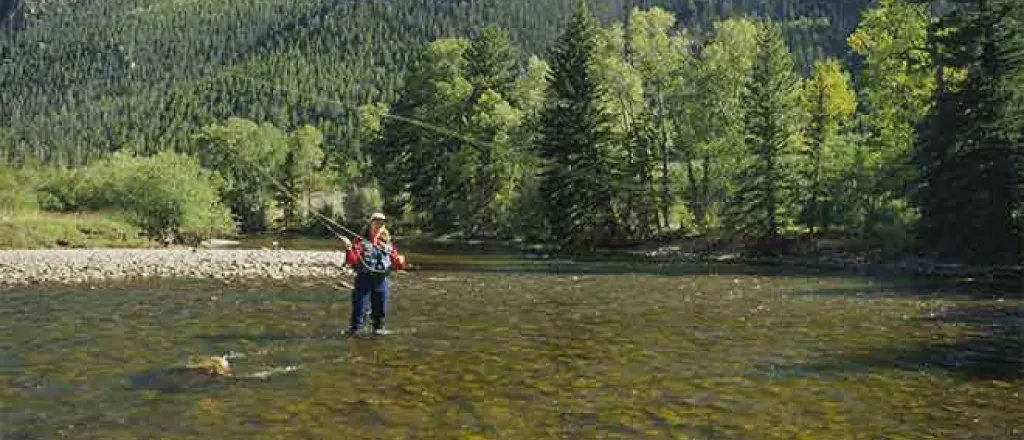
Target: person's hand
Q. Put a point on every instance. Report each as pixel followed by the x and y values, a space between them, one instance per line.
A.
pixel 346 242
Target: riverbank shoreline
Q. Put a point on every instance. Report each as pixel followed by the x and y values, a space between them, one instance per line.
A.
pixel 83 266
pixel 79 266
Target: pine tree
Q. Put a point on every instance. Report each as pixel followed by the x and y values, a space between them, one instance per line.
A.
pixel 492 63
pixel 936 140
pixel 289 178
pixel 765 200
pixel 483 168
pixel 970 196
pixel 577 174
pixel 417 156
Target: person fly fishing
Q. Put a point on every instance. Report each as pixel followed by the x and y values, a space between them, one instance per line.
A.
pixel 373 258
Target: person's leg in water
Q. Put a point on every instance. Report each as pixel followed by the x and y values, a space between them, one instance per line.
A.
pixel 378 304
pixel 361 292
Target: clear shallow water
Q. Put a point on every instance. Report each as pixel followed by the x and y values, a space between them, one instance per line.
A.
pixel 515 355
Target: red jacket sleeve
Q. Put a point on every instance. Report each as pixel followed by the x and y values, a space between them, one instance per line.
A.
pixel 397 260
pixel 352 253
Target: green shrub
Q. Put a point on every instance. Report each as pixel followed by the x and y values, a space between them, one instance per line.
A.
pixel 168 193
pixel 65 192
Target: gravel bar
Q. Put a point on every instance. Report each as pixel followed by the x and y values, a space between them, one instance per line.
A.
pixel 21 267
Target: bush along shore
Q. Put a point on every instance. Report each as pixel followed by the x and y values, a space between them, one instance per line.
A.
pixel 26 267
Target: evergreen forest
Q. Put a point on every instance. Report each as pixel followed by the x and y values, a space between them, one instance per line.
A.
pixel 895 125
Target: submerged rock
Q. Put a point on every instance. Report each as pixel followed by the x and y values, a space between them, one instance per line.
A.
pixel 210 366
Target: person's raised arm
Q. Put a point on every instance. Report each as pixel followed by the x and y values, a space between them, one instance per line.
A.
pixel 351 252
pixel 397 260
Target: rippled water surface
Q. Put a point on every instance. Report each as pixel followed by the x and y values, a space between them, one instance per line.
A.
pixel 515 355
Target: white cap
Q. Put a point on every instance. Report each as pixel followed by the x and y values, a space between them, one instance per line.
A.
pixel 378 216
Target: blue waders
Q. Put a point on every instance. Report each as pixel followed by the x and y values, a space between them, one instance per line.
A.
pixel 370 287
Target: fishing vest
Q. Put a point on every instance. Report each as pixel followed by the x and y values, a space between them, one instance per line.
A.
pixel 376 259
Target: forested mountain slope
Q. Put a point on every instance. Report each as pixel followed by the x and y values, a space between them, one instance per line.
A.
pixel 84 77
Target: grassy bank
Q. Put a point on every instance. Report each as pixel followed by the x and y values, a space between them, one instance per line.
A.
pixel 44 230
pixel 112 202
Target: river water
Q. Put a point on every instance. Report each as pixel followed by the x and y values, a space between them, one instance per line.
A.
pixel 516 352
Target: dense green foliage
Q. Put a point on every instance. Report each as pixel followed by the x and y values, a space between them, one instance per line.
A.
pixel 768 189
pixel 22 226
pixel 84 78
pixel 167 193
pixel 586 127
pixel 971 153
pixel 830 103
pixel 574 140
pixel 261 164
pixel 637 117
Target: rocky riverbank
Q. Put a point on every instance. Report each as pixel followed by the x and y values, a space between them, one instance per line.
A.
pixel 21 267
